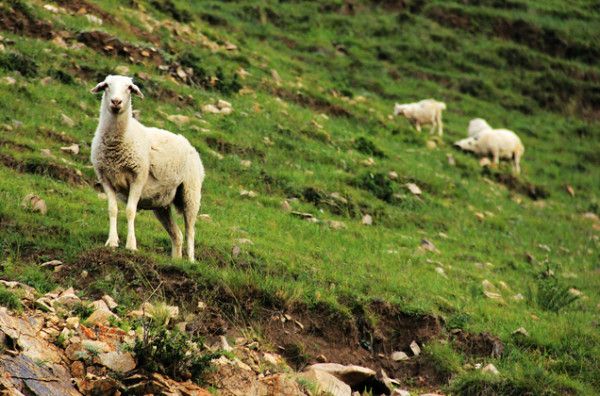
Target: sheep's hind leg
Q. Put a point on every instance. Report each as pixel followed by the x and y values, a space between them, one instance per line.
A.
pixel 191 206
pixel 113 209
pixel 165 216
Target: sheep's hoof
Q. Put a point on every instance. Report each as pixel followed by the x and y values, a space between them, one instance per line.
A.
pixel 132 248
pixel 112 244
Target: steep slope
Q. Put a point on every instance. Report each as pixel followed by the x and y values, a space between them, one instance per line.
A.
pixel 312 85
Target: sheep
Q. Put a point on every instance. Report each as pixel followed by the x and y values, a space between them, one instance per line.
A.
pixel 148 168
pixel 477 125
pixel 425 112
pixel 500 143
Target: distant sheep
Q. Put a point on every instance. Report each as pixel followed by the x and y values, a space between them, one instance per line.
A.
pixel 477 125
pixel 425 112
pixel 499 143
pixel 149 168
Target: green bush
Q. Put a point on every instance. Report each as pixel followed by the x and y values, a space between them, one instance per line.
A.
pixel 9 299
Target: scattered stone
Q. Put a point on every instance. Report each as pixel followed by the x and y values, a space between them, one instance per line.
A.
pixel 351 374
pixel 413 188
pixel 520 332
pixel 490 291
pixel 246 163
pixel 78 369
pixel 72 149
pixel 591 216
pixel 224 345
pixel 223 104
pixel 100 317
pixel 179 119
pixel 428 246
pixel 67 298
pixel 66 120
pixel 72 322
pixel 110 302
pixel 451 160
pixel 575 292
pixel 368 162
pixel 415 349
pixel 431 144
pixel 285 206
pixel 491 369
pixel 327 383
pixel 570 190
pixel 122 70
pixel 441 271
pixel 35 204
pixel 8 80
pixel 201 305
pixel 51 264
pixel 210 108
pixel 398 356
pixel 336 225
pixel 367 219
pixel 400 392
pixel 236 251
pixel 276 76
pixel 480 216
pixel 393 175
pixel 248 194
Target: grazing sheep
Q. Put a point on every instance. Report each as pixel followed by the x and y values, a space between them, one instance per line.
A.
pixel 477 125
pixel 425 112
pixel 149 168
pixel 500 143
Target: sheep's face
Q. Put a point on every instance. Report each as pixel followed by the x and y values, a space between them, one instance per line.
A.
pixel 398 109
pixel 467 144
pixel 117 91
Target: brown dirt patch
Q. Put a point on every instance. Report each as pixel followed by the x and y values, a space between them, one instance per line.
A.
pixel 316 104
pixel 113 46
pixel 481 345
pixel 55 171
pixel 83 7
pixel 57 136
pixel 14 146
pixel 17 19
pixel 226 147
pixel 522 187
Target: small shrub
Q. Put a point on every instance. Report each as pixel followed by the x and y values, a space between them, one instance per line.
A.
pixel 169 8
pixel 366 146
pixel 173 353
pixel 83 310
pixel 227 85
pixel 551 295
pixel 61 76
pixel 14 61
pixel 36 278
pixel 377 184
pixel 9 299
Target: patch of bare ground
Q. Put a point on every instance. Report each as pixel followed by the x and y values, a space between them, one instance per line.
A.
pixel 49 169
pixel 17 18
pixel 113 46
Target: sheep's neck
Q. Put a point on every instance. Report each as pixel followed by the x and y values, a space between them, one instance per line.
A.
pixel 114 126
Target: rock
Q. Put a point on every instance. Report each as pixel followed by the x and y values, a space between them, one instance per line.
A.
pixel 367 219
pixel 246 163
pixel 66 120
pixel 248 193
pixel 484 162
pixel 51 264
pixel 575 292
pixel 205 217
pixel 78 369
pixel 480 216
pixel 110 302
pixel 428 245
pixel 491 369
pixel 368 162
pixel 520 332
pixel 413 188
pixel 451 160
pixel 336 225
pixel 100 305
pixel 97 21
pixel 441 271
pixel 285 206
pixel 100 317
pixel 67 298
pixel 271 359
pixel 415 349
pixel 224 344
pixel 431 144
pixel 351 374
pixel 400 392
pixel 223 104
pixel 393 175
pixel 570 190
pixel 122 70
pixel 276 76
pixel 44 304
pixel 201 305
pixel 72 322
pixel 591 216
pixel 210 108
pixel 120 362
pixel 518 297
pixel 95 347
pixel 245 241
pixel 35 204
pixel 72 149
pixel 8 80
pixel 398 356
pixel 327 383
pixel 179 119
pixel 46 80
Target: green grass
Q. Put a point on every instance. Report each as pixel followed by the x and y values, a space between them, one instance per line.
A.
pixel 312 142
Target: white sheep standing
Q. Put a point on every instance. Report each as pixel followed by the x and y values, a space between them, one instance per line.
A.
pixel 148 168
pixel 477 125
pixel 425 112
pixel 499 143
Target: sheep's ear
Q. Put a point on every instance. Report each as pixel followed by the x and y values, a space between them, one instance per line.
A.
pixel 136 91
pixel 99 88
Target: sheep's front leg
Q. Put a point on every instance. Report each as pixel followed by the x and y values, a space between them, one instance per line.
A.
pixel 418 126
pixel 135 192
pixel 113 237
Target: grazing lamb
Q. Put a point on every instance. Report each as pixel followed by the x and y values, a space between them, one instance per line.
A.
pixel 425 112
pixel 477 125
pixel 500 143
pixel 149 168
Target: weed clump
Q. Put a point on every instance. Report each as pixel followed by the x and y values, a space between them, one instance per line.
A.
pixel 377 184
pixel 14 61
pixel 366 146
pixel 9 299
pixel 169 8
pixel 552 296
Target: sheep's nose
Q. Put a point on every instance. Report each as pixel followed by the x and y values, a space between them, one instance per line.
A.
pixel 116 102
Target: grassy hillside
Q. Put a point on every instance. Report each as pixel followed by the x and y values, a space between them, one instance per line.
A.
pixel 312 85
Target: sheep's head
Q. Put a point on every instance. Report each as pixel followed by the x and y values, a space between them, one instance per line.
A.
pixel 398 109
pixel 117 91
pixel 467 144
